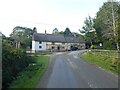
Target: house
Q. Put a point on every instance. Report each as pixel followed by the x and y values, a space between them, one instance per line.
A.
pixel 55 42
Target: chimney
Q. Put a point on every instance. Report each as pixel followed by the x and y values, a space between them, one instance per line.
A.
pixel 45 32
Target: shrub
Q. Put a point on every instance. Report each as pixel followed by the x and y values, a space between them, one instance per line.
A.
pixel 92 47
pixel 14 61
pixel 109 45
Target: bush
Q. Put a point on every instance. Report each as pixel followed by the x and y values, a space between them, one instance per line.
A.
pixel 92 47
pixel 109 45
pixel 14 61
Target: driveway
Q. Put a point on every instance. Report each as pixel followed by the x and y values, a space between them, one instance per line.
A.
pixel 68 70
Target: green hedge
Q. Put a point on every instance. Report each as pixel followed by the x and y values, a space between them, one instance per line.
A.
pixel 13 61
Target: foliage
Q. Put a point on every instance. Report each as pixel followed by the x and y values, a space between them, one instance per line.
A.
pixel 92 47
pixel 43 53
pixel 29 77
pixel 118 28
pixel 109 45
pixel 89 32
pixel 55 31
pixel 88 25
pixel 104 22
pixel 67 32
pixel 13 61
pixel 61 32
pixel 76 34
pixel 23 35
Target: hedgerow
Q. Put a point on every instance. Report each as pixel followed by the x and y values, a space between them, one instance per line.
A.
pixel 13 61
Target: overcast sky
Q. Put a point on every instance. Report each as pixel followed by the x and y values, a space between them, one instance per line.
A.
pixel 46 14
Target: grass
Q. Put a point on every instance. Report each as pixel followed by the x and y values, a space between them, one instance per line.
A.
pixel 43 53
pixel 31 75
pixel 106 53
pixel 112 64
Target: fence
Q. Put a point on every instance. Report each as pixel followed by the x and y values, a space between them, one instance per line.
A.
pixel 106 53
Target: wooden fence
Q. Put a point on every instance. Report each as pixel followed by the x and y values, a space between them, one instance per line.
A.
pixel 106 53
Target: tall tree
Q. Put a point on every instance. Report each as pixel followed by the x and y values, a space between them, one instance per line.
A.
pixel 67 32
pixel 106 22
pixel 88 31
pixel 118 25
pixel 34 30
pixel 55 31
pixel 23 36
pixel 61 32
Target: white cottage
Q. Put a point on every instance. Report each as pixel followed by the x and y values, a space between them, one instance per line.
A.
pixel 44 42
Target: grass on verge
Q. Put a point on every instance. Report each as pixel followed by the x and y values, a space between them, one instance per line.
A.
pixel 43 53
pixel 103 61
pixel 31 75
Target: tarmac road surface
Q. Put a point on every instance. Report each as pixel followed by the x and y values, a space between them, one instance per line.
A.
pixel 68 70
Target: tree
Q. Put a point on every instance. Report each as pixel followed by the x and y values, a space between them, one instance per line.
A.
pixel 67 32
pixel 55 31
pixel 34 30
pixel 88 31
pixel 88 25
pixel 61 32
pixel 118 28
pixel 23 36
pixel 105 23
pixel 75 34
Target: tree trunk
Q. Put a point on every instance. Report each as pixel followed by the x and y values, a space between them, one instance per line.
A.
pixel 117 44
pixel 18 44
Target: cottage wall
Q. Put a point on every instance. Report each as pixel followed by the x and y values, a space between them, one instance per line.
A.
pixel 38 46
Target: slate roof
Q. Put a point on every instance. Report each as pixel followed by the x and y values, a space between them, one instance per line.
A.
pixel 56 38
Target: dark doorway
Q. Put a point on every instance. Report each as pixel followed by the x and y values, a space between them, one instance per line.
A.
pixel 58 48
pixel 53 47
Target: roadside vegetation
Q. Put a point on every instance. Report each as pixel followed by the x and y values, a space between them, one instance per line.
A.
pixel 103 31
pixel 43 53
pixel 30 76
pixel 105 59
pixel 19 70
pixel 14 60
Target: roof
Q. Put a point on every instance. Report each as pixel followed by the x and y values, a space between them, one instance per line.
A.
pixel 56 38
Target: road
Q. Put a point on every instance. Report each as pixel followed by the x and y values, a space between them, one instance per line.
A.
pixel 68 70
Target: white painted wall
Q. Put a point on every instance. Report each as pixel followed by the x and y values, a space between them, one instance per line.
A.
pixel 36 44
pixel 48 45
pixel 33 45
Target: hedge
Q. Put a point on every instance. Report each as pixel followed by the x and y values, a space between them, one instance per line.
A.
pixel 13 61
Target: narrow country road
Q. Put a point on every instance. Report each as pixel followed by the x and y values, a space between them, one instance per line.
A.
pixel 68 70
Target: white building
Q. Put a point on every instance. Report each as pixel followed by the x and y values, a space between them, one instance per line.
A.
pixel 44 42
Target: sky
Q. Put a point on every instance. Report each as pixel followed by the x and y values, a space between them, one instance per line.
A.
pixel 46 14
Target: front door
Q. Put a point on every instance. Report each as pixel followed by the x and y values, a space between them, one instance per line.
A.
pixel 58 48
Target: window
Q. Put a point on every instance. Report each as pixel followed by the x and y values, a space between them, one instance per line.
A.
pixel 53 47
pixel 63 43
pixel 53 43
pixel 40 46
pixel 40 42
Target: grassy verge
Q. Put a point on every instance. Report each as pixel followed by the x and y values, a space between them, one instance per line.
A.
pixel 43 53
pixel 31 75
pixel 112 64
